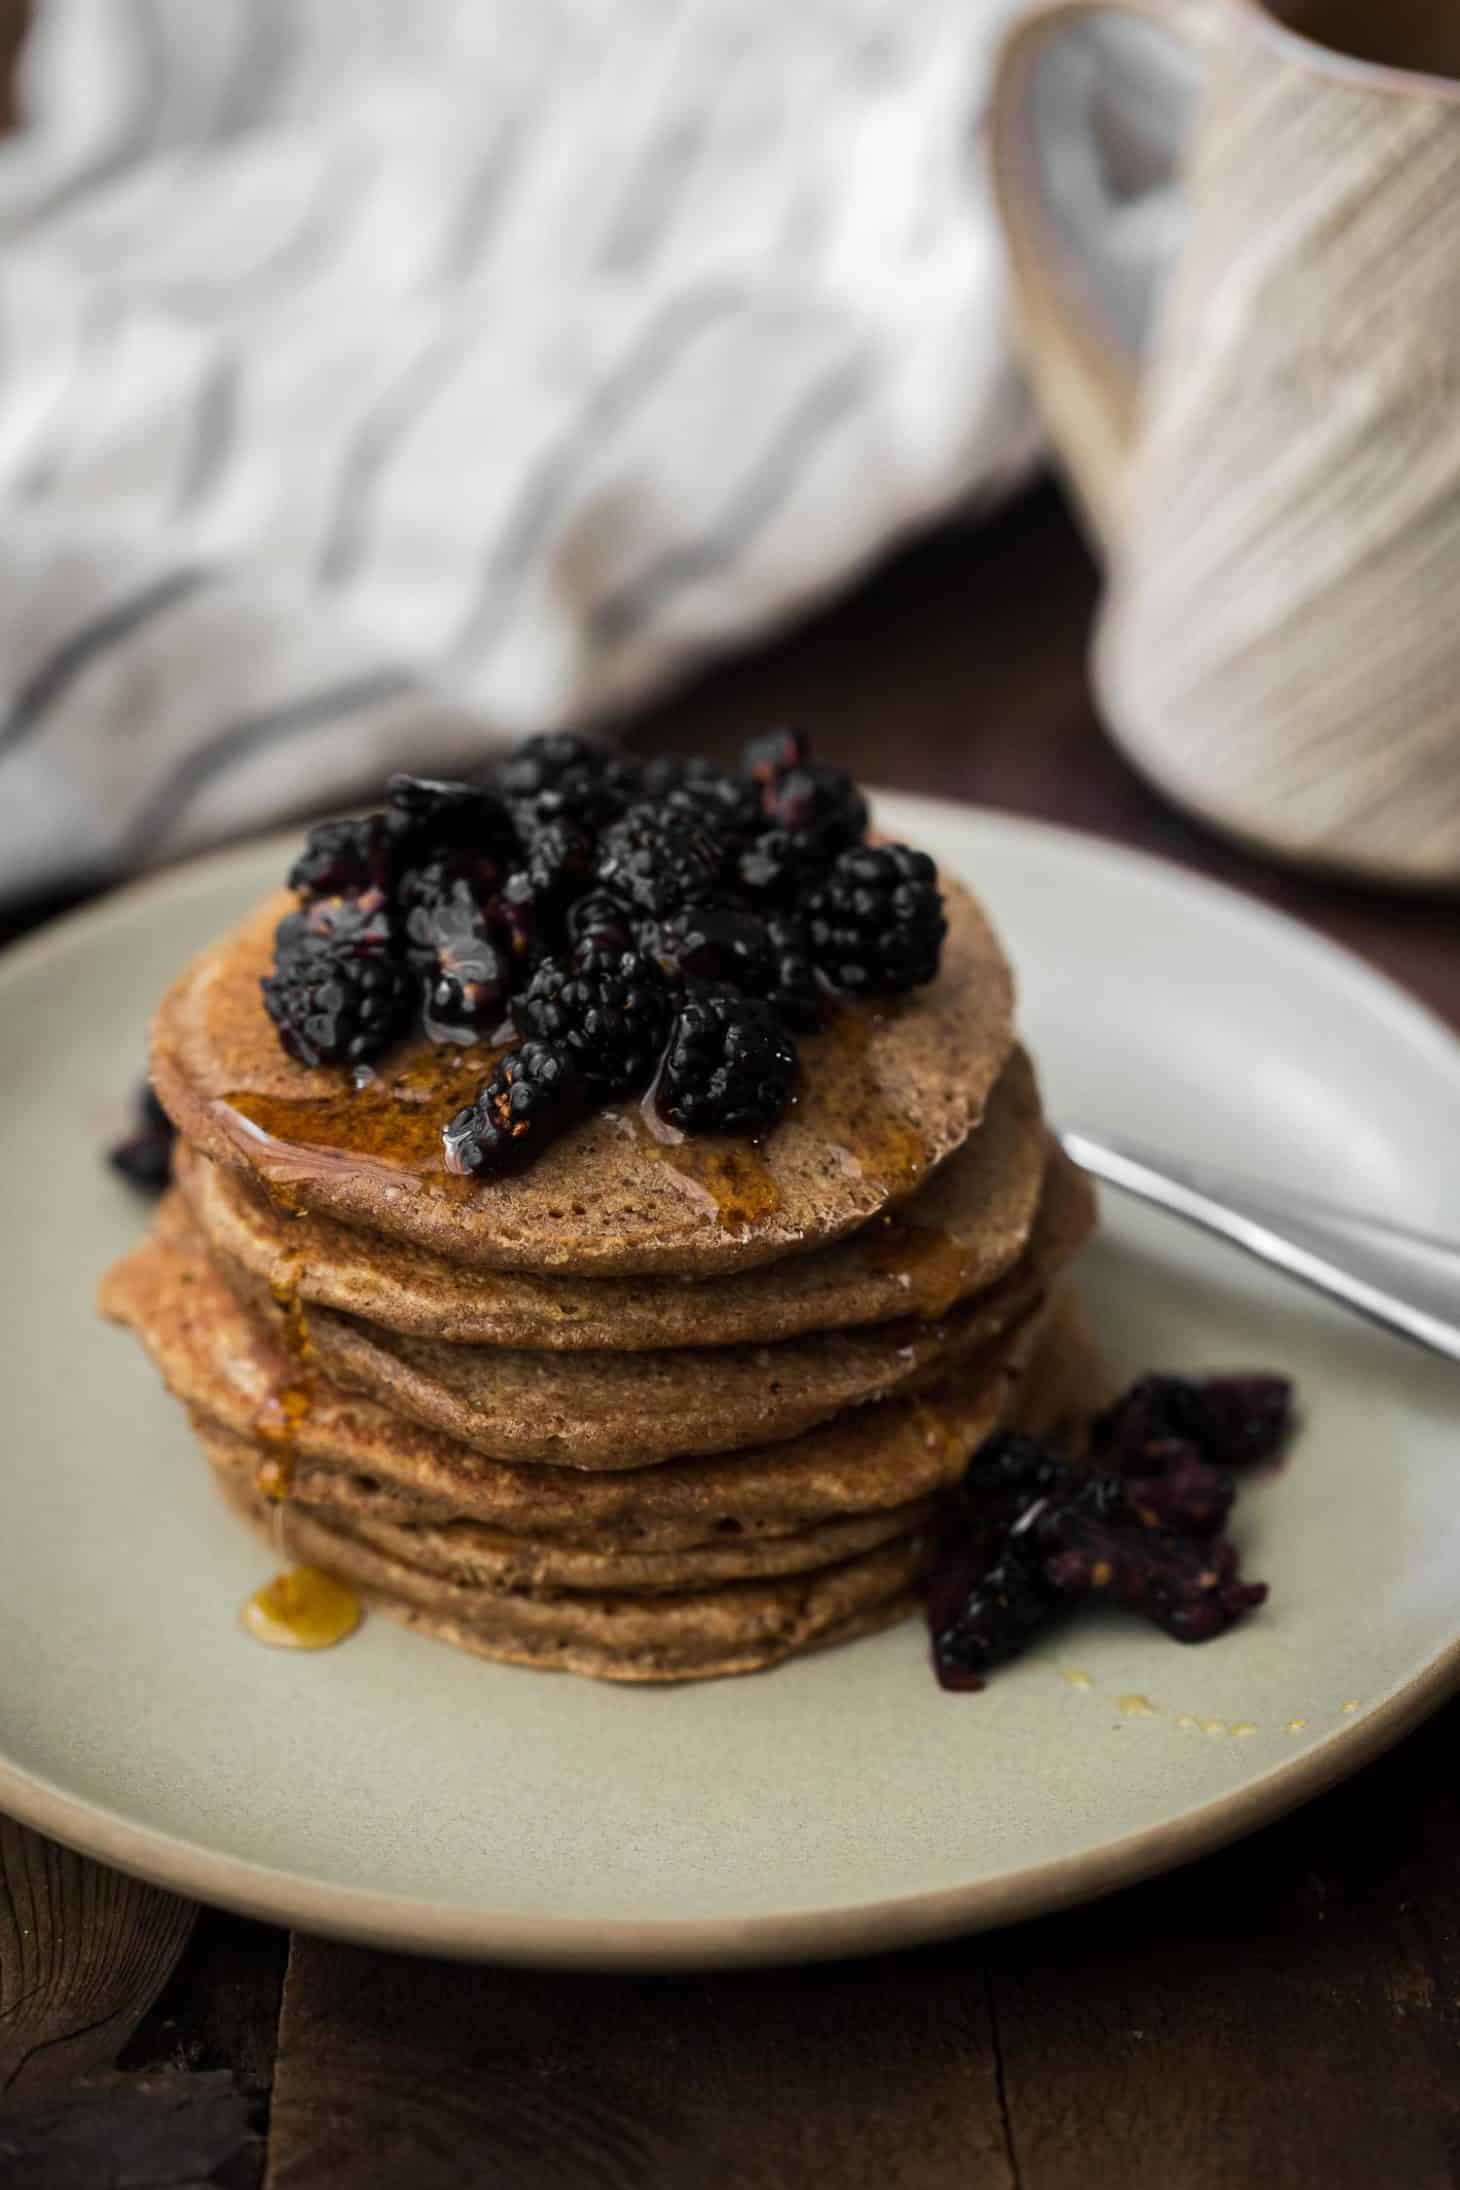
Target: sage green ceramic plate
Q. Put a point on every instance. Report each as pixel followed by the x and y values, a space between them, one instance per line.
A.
pixel 396 1791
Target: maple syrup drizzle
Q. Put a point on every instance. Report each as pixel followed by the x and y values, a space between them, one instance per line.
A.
pixel 935 1266
pixel 299 1608
pixel 389 1124
pixel 939 1432
pixel 290 1397
pixel 838 1101
pixel 845 1105
pixel 731 1178
pixel 302 1609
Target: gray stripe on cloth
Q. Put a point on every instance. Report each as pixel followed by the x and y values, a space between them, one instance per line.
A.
pixel 81 647
pixel 649 202
pixel 653 354
pixel 481 202
pixel 240 740
pixel 255 71
pixel 368 452
pixel 213 431
pixel 763 491
pixel 99 323
pixel 134 133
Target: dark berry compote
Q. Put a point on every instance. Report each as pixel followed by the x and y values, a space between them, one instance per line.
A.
pixel 1025 1537
pixel 628 926
pixel 144 1155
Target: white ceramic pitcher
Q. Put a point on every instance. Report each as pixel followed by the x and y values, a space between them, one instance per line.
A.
pixel 1268 450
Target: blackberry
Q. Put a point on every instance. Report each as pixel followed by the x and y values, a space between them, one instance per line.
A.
pixel 335 1007
pixel 716 943
pixel 541 763
pixel 144 1156
pixel 781 868
pixel 345 858
pixel 766 957
pixel 766 759
pixel 820 806
pixel 608 1016
pixel 728 805
pixel 533 1095
pixel 793 991
pixel 455 937
pixel 987 1595
pixel 428 815
pixel 1231 1420
pixel 985 1611
pixel 561 776
pixel 450 940
pixel 1025 1536
pixel 1190 1586
pixel 876 923
pixel 1169 1486
pixel 723 804
pixel 558 864
pixel 602 923
pixel 449 880
pixel 532 907
pixel 528 927
pixel 1010 1466
pixel 667 772
pixel 730 1066
pixel 362 924
pixel 661 860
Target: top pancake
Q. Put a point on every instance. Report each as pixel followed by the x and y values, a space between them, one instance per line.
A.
pixel 955 1238
pixel 886 1095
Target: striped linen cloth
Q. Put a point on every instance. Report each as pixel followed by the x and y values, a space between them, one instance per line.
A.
pixel 383 378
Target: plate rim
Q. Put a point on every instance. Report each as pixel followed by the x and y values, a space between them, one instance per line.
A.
pixel 404 1924
pixel 411 1924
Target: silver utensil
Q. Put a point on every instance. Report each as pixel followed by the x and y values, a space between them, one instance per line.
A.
pixel 1406 1280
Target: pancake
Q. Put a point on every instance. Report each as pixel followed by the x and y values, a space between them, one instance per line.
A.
pixel 493 1559
pixel 610 1410
pixel 616 1634
pixel 1067 1383
pixel 1054 1402
pixel 231 1370
pixel 886 1095
pixel 689 1635
pixel 955 1238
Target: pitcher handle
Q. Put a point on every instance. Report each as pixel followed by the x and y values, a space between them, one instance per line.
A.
pixel 1084 305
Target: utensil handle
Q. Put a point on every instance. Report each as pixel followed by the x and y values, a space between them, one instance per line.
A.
pixel 1082 323
pixel 1349 1259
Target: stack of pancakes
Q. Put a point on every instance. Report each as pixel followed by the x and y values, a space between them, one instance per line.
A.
pixel 654 1408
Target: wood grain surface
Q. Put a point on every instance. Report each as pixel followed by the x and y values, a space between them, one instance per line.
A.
pixel 390 2070
pixel 83 1954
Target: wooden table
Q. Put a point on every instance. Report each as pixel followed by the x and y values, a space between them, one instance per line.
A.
pixel 1285 2013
